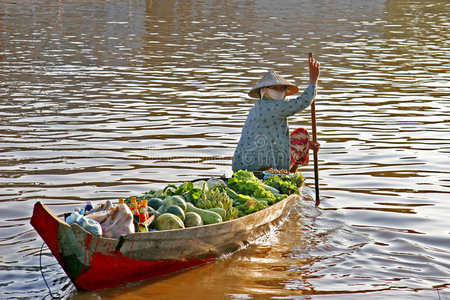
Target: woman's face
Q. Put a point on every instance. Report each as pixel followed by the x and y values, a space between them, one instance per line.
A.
pixel 279 88
pixel 274 92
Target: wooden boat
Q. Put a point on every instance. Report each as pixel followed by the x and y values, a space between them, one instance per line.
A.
pixel 94 263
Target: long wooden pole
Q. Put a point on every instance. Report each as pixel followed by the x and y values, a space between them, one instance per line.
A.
pixel 316 162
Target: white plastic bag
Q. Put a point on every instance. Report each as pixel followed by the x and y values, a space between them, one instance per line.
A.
pixel 115 222
pixel 89 225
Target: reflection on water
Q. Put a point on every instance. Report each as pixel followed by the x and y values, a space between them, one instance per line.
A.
pixel 111 98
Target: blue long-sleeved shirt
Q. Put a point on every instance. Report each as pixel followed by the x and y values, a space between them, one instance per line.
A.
pixel 264 139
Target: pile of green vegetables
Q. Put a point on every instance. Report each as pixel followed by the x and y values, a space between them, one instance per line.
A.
pixel 240 195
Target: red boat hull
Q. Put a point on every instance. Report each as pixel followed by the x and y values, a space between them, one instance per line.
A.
pixel 115 270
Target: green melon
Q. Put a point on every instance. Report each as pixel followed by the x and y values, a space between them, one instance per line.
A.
pixel 175 200
pixel 176 210
pixel 168 221
pixel 222 212
pixel 192 219
pixel 155 203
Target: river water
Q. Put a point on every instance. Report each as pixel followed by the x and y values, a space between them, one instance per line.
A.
pixel 106 99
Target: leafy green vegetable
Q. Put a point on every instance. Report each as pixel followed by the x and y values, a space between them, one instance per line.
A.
pixel 250 206
pixel 297 179
pixel 246 183
pixel 154 194
pixel 187 190
pixel 249 193
pixel 286 184
pixel 237 198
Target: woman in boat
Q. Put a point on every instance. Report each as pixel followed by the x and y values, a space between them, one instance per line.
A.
pixel 265 141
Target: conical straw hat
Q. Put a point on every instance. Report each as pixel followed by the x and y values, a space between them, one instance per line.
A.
pixel 272 78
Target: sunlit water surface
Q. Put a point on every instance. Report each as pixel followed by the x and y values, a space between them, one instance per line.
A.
pixel 106 99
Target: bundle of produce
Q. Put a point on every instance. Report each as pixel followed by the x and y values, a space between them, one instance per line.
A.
pixel 246 183
pixel 249 194
pixel 216 199
pixel 250 206
pixel 176 212
pixel 276 171
pixel 187 205
pixel 286 184
pixel 187 190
